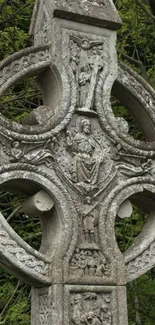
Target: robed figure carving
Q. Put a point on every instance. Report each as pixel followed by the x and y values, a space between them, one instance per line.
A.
pixel 86 61
pixel 86 152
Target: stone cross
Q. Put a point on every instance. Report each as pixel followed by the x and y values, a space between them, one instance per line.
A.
pixel 78 166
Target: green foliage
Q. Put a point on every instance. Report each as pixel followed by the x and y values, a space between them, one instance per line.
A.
pixel 14 25
pixel 120 111
pixel 14 295
pixel 136 37
pixel 19 100
pixel 15 302
pixel 128 229
pixel 143 290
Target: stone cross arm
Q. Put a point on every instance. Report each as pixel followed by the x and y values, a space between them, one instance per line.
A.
pixel 78 166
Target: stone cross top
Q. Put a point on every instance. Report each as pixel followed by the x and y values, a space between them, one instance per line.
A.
pixel 78 166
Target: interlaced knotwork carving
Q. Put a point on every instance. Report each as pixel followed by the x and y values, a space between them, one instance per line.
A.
pixel 142 263
pixel 33 58
pixel 44 298
pixel 45 303
pixel 25 59
pixel 19 253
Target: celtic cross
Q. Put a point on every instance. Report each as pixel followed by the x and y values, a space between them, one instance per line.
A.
pixel 78 166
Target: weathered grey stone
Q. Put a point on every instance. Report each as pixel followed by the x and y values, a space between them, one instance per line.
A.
pixel 125 210
pixel 94 12
pixel 39 115
pixel 83 163
pixel 38 204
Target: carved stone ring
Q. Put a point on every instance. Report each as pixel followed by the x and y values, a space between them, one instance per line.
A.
pixel 78 180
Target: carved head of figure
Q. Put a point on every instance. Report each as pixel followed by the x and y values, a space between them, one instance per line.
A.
pixel 89 317
pixel 104 308
pixel 88 200
pixel 76 300
pixel 84 76
pixel 86 126
pixel 15 144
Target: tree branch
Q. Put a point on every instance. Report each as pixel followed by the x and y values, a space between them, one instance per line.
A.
pixel 137 63
pixel 8 303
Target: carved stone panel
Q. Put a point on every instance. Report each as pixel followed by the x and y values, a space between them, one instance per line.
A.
pixel 86 162
pixel 94 305
pixel 42 306
pixel 87 57
pixel 88 263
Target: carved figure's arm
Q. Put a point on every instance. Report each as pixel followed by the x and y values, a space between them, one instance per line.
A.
pixel 69 139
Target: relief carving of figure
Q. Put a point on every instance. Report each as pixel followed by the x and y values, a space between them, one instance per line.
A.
pixel 37 156
pixel 90 309
pixel 102 267
pixel 86 154
pixel 90 318
pixel 16 152
pixel 89 222
pixel 86 62
pixel 84 81
pixel 76 303
pixel 88 262
pixel 105 313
